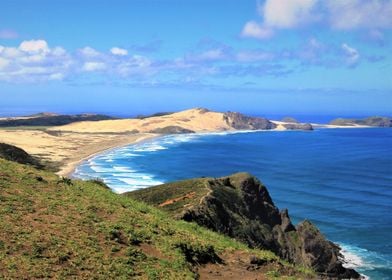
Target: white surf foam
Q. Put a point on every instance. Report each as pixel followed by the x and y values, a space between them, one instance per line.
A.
pixel 362 259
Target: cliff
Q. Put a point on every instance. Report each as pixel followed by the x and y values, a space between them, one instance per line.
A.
pixel 239 206
pixel 370 121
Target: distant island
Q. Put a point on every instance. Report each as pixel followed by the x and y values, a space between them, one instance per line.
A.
pixel 370 121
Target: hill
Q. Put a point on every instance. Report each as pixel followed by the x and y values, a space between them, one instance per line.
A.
pixel 53 227
pixel 193 120
pixel 239 206
pixel 50 119
pixel 370 121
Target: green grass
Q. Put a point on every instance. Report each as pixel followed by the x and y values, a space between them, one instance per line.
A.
pixel 58 228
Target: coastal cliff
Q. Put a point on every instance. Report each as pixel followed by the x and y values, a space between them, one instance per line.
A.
pixel 240 206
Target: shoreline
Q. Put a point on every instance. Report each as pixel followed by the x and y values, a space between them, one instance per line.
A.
pixel 68 168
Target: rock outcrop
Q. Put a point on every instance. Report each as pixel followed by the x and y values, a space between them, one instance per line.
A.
pixel 172 129
pixel 370 121
pixel 240 206
pixel 240 121
pixel 298 126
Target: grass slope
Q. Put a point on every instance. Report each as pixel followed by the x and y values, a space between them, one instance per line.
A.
pixel 62 228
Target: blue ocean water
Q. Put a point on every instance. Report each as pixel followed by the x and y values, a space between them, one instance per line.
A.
pixel 341 179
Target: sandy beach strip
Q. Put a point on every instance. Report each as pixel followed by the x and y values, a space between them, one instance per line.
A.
pixel 67 149
pixel 70 165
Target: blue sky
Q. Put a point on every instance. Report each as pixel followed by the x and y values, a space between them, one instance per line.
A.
pixel 261 57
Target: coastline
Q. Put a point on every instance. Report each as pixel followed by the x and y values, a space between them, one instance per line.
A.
pixel 69 167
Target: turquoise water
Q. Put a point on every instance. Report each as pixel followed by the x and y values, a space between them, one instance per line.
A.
pixel 341 179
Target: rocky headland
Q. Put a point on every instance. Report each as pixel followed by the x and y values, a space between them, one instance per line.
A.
pixel 240 206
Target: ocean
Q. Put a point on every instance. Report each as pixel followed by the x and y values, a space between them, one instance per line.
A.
pixel 340 179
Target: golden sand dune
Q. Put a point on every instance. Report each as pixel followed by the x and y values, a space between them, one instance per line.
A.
pixel 66 149
pixel 197 120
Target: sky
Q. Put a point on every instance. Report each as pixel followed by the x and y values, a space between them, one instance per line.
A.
pixel 260 57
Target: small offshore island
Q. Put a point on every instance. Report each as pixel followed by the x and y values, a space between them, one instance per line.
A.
pixel 59 227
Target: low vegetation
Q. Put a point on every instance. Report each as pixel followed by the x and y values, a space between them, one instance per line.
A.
pixel 53 227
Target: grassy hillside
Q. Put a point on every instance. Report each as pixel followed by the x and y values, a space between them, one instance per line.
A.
pixel 51 227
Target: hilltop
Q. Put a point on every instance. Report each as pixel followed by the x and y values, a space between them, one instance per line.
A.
pixel 54 227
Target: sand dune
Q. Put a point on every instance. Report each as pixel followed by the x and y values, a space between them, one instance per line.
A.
pixel 198 120
pixel 66 149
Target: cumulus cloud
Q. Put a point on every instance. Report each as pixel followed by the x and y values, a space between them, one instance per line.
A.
pixel 89 52
pixel 93 66
pixel 253 29
pixel 118 51
pixel 288 13
pixel 336 14
pixel 34 46
pixel 351 14
pixel 33 60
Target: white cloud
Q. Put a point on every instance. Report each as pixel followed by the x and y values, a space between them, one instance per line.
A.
pixel 336 14
pixel 3 63
pixel 33 60
pixel 350 14
pixel 89 52
pixel 34 46
pixel 254 30
pixel 352 55
pixel 118 51
pixel 93 66
pixel 288 13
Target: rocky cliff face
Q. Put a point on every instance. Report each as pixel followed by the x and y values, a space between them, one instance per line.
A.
pixel 240 121
pixel 240 206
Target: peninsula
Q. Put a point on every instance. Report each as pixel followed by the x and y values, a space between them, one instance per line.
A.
pixel 67 145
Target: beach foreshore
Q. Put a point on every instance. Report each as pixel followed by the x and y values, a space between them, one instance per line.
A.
pixel 69 166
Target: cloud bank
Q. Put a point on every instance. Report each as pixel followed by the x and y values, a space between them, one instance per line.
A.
pixel 36 61
pixel 335 14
